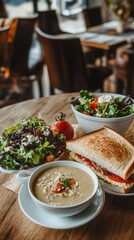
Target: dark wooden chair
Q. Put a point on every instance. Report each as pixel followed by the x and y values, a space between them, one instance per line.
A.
pixel 4 31
pixel 130 73
pixel 48 22
pixel 5 81
pixel 124 69
pixel 24 68
pixel 25 64
pixel 66 66
pixel 92 16
pixel 3 12
pixel 125 74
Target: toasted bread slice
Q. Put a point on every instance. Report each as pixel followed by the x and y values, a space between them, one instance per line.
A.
pixel 108 149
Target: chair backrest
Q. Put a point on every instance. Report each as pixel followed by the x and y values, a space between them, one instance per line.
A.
pixel 65 62
pixel 4 31
pixel 3 12
pixel 130 73
pixel 22 43
pixel 92 16
pixel 48 22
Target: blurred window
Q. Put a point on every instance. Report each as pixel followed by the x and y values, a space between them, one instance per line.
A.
pixel 70 7
pixel 16 2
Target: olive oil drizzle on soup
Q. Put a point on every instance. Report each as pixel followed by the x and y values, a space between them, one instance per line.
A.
pixel 63 186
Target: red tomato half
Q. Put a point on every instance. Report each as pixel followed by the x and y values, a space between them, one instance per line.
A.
pixel 63 127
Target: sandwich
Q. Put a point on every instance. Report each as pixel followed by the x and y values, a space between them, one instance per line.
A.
pixel 109 155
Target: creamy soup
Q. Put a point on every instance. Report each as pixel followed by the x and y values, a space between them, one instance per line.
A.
pixel 63 186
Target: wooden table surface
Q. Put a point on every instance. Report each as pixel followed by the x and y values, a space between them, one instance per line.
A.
pixel 103 30
pixel 114 222
pixel 106 45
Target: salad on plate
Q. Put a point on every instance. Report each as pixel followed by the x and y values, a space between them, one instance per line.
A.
pixel 105 106
pixel 30 143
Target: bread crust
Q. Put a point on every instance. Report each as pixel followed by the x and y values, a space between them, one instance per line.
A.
pixel 107 148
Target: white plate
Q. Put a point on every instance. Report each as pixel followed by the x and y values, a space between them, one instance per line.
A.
pixel 16 171
pixel 118 194
pixel 51 221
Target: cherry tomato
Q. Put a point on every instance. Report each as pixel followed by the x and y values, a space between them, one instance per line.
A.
pixel 93 105
pixel 50 158
pixel 96 99
pixel 85 112
pixel 62 126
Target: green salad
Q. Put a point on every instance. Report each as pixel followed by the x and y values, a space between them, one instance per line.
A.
pixel 28 144
pixel 105 106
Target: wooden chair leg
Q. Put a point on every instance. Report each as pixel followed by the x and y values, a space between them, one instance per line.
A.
pixel 51 90
pixel 130 73
pixel 39 80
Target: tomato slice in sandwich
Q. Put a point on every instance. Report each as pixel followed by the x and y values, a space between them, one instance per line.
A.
pixel 116 178
pixel 103 171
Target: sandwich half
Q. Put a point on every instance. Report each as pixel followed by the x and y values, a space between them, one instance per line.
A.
pixel 109 155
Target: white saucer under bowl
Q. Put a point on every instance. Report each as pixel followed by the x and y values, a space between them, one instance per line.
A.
pixel 51 221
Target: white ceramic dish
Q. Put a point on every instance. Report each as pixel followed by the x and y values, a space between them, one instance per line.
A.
pixel 51 221
pixel 91 123
pixel 61 211
pixel 118 194
pixel 32 169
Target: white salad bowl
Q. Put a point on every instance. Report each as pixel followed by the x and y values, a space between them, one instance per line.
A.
pixel 60 211
pixel 91 123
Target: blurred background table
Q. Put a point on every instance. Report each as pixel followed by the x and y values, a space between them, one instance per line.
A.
pixel 115 222
pixel 34 80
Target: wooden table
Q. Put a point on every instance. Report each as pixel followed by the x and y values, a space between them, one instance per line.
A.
pixel 108 36
pixel 104 43
pixel 114 222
